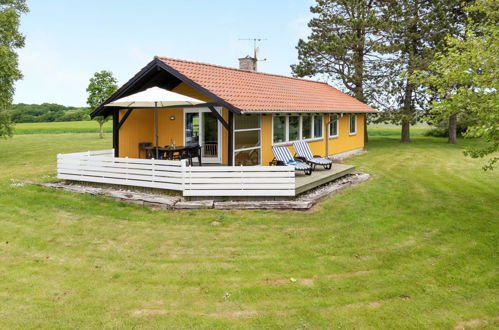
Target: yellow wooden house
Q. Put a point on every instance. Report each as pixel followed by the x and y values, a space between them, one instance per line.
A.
pixel 246 113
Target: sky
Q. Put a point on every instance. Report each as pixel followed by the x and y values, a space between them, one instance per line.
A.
pixel 68 40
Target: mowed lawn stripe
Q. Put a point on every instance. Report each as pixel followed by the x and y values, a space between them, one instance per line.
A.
pixel 414 247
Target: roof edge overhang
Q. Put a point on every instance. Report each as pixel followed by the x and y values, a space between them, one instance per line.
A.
pixel 157 64
pixel 247 112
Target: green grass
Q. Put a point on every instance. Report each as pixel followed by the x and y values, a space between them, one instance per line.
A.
pixel 414 247
pixel 394 130
pixel 62 127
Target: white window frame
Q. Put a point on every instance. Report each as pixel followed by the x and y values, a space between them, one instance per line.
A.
pixel 321 116
pixel 350 124
pixel 337 128
pixel 207 160
pixel 286 130
pixel 287 141
pixel 259 129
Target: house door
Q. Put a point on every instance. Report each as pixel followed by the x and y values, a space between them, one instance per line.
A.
pixel 202 127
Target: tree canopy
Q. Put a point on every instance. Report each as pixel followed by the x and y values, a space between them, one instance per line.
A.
pixel 10 40
pixel 464 76
pixel 101 86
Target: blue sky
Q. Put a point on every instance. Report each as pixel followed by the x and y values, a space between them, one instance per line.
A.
pixel 68 40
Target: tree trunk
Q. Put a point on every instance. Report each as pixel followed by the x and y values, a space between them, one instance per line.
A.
pixel 405 135
pixel 366 137
pixel 452 129
pixel 101 130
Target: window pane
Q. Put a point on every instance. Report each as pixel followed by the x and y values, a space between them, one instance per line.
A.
pixel 333 126
pixel 247 157
pixel 247 121
pixel 246 139
pixel 352 124
pixel 318 126
pixel 306 127
pixel 294 128
pixel 279 129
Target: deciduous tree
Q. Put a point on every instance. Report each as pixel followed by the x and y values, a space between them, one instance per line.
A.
pixel 10 40
pixel 343 46
pixel 101 86
pixel 465 76
pixel 415 30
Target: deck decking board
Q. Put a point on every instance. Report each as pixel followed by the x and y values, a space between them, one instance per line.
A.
pixel 320 176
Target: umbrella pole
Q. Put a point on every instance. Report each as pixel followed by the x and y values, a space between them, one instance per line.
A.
pixel 156 127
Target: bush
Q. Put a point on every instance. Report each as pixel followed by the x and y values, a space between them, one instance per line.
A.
pixel 441 127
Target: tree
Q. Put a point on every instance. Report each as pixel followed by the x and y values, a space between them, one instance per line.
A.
pixel 6 126
pixel 101 86
pixel 415 30
pixel 10 40
pixel 343 46
pixel 465 76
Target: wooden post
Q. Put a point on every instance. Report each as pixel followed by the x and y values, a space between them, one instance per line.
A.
pixel 230 130
pixel 116 133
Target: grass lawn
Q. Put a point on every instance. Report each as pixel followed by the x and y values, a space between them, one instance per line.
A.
pixel 414 247
pixel 89 126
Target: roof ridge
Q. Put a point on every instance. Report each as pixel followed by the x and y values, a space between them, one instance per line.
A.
pixel 240 70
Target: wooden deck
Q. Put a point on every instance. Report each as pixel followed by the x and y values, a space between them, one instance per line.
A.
pixel 320 176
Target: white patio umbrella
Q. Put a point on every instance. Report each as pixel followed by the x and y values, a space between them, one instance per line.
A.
pixel 155 98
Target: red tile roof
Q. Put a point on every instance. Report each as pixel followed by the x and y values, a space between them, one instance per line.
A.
pixel 256 91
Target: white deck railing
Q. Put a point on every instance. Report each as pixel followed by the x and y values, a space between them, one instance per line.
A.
pixel 103 167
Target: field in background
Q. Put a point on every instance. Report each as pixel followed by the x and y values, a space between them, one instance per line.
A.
pixel 414 247
pixel 62 127
pixel 93 127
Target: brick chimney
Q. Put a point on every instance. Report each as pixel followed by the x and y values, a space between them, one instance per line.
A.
pixel 247 63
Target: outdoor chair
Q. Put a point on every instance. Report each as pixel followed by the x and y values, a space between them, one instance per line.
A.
pixel 282 156
pixel 304 153
pixel 143 146
pixel 190 153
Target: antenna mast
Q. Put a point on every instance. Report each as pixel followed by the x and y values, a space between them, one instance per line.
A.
pixel 255 48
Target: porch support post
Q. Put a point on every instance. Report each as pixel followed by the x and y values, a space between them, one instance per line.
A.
pixel 125 117
pixel 229 126
pixel 219 117
pixel 231 138
pixel 116 133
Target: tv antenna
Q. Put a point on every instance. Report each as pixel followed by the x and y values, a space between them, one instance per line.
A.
pixel 256 50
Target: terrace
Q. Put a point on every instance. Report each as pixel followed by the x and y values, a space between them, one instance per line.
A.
pixel 192 181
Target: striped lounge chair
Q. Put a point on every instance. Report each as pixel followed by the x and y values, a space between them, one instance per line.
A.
pixel 282 156
pixel 303 152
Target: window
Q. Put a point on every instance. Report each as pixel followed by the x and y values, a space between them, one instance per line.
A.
pixel 333 126
pixel 246 139
pixel 247 134
pixel 318 126
pixel 294 128
pixel 246 121
pixel 353 124
pixel 306 127
pixel 279 127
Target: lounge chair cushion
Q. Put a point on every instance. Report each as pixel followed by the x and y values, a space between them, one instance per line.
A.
pixel 282 154
pixel 303 150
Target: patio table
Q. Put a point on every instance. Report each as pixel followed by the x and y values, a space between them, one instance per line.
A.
pixel 183 152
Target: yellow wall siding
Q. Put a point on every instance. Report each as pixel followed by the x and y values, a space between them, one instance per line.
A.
pixel 345 141
pixel 170 130
pixel 266 136
pixel 139 127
